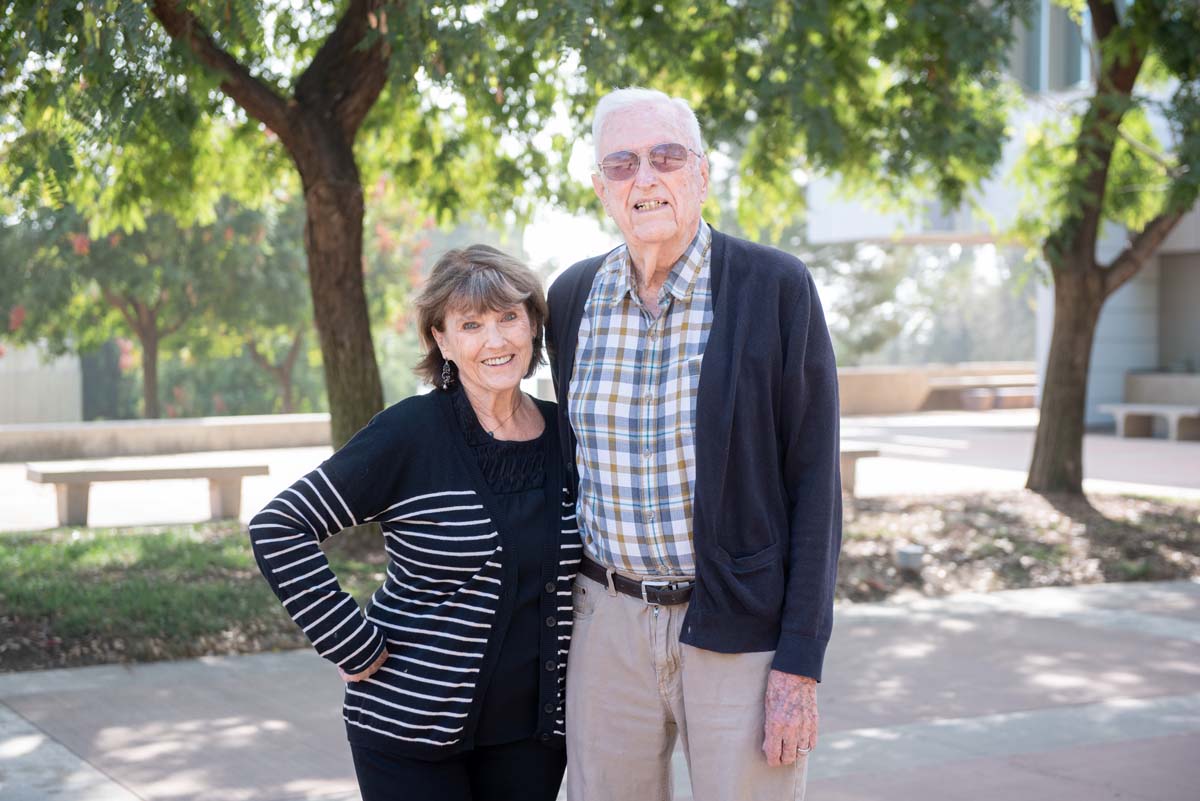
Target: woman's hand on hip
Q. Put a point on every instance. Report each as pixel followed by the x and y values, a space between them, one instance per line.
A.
pixel 370 671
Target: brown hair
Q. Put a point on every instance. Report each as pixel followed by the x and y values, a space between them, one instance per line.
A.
pixel 476 277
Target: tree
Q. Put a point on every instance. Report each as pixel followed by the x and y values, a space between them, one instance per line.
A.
pixel 71 292
pixel 902 98
pixel 115 107
pixel 260 303
pixel 1110 169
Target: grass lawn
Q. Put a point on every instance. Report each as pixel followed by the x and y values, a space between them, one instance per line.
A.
pixel 92 596
pixel 88 596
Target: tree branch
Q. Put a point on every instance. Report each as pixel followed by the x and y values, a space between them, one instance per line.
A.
pixel 256 357
pixel 1150 153
pixel 1130 260
pixel 166 331
pixel 293 352
pixel 344 81
pixel 121 304
pixel 147 319
pixel 255 96
pixel 1098 130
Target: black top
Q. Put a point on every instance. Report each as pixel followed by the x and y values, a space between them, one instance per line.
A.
pixel 516 473
pixel 450 588
pixel 767 520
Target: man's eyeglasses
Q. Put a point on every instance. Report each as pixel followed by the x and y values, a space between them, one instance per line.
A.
pixel 667 157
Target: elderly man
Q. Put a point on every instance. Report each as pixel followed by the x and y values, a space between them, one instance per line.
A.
pixel 698 396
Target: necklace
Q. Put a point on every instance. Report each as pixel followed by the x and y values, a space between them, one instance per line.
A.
pixel 516 407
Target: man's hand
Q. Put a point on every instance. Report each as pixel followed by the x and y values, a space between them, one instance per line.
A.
pixel 791 720
pixel 366 674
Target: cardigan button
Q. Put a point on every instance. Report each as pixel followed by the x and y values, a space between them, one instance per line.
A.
pixel 549 709
pixel 551 622
pixel 550 586
pixel 545 738
pixel 551 665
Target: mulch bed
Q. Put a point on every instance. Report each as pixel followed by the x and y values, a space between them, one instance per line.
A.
pixel 998 541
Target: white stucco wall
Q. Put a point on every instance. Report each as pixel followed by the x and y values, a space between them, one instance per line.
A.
pixel 33 391
pixel 1185 237
pixel 1179 310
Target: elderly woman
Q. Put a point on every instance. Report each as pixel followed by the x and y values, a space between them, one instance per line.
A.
pixel 455 670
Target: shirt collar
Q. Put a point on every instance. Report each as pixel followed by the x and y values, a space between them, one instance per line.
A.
pixel 681 279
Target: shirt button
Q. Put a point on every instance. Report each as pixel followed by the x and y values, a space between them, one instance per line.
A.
pixel 551 621
pixel 647 452
pixel 550 586
pixel 649 517
pixel 551 665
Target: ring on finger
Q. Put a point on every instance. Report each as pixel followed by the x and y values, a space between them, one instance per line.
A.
pixel 802 751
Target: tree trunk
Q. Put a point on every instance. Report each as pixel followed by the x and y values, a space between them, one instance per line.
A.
pixel 317 126
pixel 333 237
pixel 1057 465
pixel 285 373
pixel 149 342
pixel 285 390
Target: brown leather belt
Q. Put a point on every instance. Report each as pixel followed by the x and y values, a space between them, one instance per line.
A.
pixel 659 593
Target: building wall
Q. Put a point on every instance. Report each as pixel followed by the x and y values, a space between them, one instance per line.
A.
pixel 34 391
pixel 1179 311
pixel 1126 340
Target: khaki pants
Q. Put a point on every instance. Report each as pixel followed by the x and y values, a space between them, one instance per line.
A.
pixel 632 687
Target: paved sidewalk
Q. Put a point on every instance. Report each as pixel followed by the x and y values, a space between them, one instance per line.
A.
pixel 936 452
pixel 930 452
pixel 1086 693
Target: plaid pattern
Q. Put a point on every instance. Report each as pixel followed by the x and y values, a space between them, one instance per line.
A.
pixel 633 407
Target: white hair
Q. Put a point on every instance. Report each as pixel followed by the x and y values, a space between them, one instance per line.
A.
pixel 620 99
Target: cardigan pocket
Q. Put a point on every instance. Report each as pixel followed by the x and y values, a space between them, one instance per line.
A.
pixel 752 584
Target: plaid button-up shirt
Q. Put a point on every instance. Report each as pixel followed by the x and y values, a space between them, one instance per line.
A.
pixel 633 407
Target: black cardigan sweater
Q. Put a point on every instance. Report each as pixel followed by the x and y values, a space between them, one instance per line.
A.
pixel 768 510
pixel 449 589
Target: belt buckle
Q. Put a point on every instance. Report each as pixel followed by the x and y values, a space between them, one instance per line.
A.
pixel 660 584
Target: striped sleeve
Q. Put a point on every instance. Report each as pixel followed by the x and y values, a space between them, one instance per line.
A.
pixel 286 536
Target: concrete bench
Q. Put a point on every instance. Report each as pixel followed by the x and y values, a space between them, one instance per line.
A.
pixel 980 393
pixel 1137 419
pixel 73 479
pixel 851 452
pixel 982 381
pixel 984 399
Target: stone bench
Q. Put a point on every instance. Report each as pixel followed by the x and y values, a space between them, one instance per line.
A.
pixel 851 452
pixel 980 393
pixel 984 399
pixel 73 479
pixel 960 382
pixel 1137 419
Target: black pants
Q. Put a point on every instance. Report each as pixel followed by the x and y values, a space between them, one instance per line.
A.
pixel 521 771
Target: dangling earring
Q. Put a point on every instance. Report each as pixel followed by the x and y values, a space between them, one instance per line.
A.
pixel 446 377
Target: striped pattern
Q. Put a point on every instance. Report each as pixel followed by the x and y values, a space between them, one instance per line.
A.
pixel 434 611
pixel 632 405
pixel 570 553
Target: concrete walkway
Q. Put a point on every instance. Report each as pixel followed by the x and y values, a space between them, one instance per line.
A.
pixel 1088 693
pixel 932 452
pixel 936 452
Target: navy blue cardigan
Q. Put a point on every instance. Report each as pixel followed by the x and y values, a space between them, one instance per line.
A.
pixel 768 504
